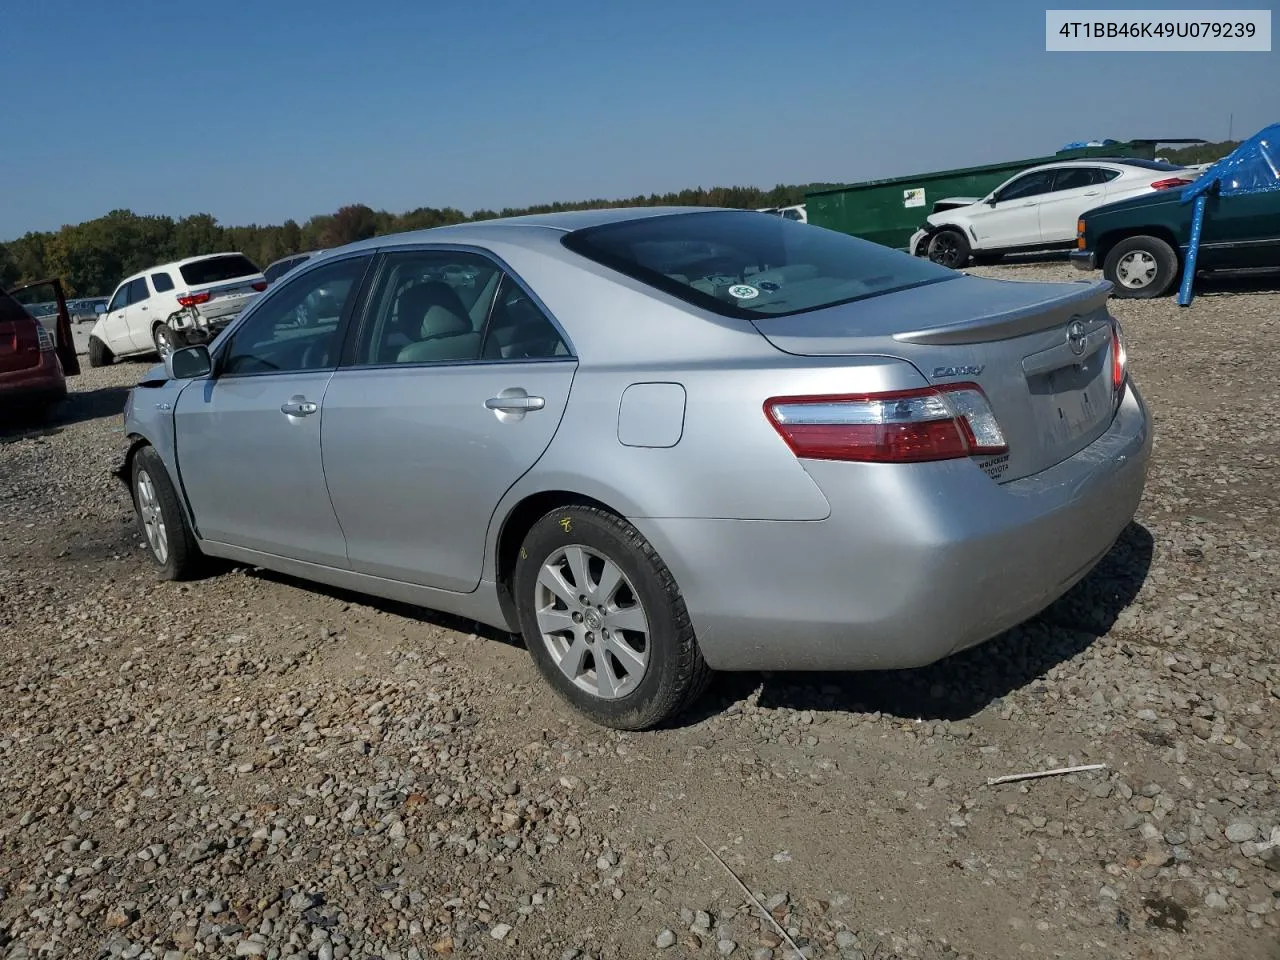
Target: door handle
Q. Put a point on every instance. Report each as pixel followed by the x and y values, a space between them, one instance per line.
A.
pixel 1093 193
pixel 515 404
pixel 1031 203
pixel 299 407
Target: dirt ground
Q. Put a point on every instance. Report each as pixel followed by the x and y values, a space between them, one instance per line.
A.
pixel 248 765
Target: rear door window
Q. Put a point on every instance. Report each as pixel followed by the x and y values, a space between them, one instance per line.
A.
pixel 138 291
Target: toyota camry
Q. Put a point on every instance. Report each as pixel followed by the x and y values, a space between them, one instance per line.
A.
pixel 655 443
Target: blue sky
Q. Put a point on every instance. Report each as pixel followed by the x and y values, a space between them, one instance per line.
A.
pixel 260 111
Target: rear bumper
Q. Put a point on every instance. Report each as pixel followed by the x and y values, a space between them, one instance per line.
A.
pixel 1082 259
pixel 914 563
pixel 43 383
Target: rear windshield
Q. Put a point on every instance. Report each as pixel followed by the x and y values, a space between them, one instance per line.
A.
pixel 11 311
pixel 751 265
pixel 217 269
pixel 281 267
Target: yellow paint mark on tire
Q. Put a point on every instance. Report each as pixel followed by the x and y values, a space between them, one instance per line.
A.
pixel 566 523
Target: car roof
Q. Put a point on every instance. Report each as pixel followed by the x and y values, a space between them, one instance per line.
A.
pixel 532 227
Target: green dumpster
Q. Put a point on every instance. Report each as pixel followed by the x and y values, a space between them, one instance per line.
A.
pixel 890 211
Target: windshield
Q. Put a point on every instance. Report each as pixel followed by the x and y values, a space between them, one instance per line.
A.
pixel 744 264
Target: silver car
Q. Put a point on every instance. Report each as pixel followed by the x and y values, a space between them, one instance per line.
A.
pixel 656 443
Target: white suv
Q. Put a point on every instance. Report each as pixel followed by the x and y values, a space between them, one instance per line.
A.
pixel 174 305
pixel 1038 208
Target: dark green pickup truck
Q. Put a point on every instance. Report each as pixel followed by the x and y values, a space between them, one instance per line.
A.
pixel 1141 243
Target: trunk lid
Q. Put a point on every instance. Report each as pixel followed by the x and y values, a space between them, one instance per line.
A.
pixel 1040 351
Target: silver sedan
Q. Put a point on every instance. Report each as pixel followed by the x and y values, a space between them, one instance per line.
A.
pixel 656 443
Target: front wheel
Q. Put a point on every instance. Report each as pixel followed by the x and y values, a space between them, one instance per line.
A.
pixel 100 354
pixel 161 521
pixel 604 621
pixel 1141 268
pixel 949 248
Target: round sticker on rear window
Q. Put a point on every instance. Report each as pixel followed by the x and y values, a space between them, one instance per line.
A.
pixel 742 291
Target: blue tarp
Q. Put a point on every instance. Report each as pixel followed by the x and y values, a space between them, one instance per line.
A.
pixel 1080 144
pixel 1252 167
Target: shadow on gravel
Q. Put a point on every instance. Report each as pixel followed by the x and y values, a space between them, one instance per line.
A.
pixel 1234 283
pixel 409 611
pixel 964 684
pixel 79 407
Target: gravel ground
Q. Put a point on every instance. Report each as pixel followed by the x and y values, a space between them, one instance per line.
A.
pixel 248 766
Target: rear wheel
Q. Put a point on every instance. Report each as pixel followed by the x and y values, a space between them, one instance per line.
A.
pixel 604 621
pixel 950 248
pixel 100 354
pixel 1141 268
pixel 164 340
pixel 161 522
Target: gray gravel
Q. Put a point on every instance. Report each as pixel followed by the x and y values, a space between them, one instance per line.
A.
pixel 248 766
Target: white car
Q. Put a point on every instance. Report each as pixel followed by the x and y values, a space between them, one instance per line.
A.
pixel 174 305
pixel 1038 208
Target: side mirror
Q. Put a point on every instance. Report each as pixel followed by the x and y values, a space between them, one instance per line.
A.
pixel 189 363
pixel 990 201
pixel 99 308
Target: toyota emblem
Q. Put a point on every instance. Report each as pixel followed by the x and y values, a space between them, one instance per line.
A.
pixel 1077 338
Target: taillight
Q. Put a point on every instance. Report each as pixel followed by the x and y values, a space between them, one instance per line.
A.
pixel 45 339
pixel 1119 358
pixel 260 285
pixel 194 299
pixel 1169 183
pixel 904 426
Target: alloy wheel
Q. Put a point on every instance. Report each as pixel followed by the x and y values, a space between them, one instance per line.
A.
pixel 592 621
pixel 152 517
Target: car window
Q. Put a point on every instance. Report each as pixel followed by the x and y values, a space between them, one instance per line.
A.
pixel 1028 185
pixel 217 269
pixel 428 306
pixel 138 291
pixel 740 264
pixel 518 329
pixel 1103 174
pixel 278 270
pixel 120 299
pixel 295 327
pixel 162 282
pixel 1074 178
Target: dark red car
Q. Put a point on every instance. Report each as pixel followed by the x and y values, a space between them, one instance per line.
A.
pixel 34 360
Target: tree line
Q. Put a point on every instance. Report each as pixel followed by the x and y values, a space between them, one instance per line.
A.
pixel 92 257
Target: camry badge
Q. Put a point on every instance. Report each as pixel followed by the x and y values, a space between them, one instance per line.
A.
pixel 1077 339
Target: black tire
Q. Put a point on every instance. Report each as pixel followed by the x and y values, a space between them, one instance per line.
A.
pixel 162 336
pixel 1149 262
pixel 949 248
pixel 675 674
pixel 99 354
pixel 182 559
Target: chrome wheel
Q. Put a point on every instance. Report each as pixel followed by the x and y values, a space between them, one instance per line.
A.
pixel 592 622
pixel 164 342
pixel 152 517
pixel 1137 269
